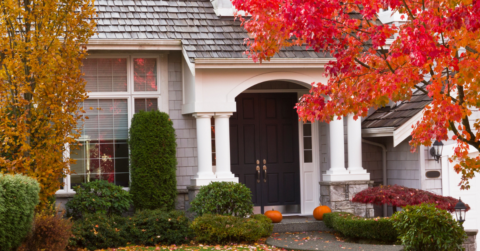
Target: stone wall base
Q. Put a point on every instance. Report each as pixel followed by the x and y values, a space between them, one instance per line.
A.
pixel 470 243
pixel 338 195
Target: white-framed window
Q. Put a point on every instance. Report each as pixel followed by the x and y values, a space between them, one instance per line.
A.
pixel 119 87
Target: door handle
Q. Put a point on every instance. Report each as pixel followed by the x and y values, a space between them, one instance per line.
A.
pixel 258 174
pixel 258 171
pixel 265 177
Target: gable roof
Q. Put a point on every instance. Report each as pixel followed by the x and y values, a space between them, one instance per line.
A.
pixel 202 33
pixel 398 115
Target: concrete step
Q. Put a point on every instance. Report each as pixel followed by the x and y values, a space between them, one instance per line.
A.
pixel 299 224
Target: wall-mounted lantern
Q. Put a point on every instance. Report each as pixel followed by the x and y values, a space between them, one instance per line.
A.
pixel 460 211
pixel 436 150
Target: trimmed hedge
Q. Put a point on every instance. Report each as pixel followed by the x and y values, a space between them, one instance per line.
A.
pixel 153 161
pixel 148 227
pixel 351 226
pixel 98 196
pixel 221 229
pixel 18 199
pixel 152 227
pixel 223 198
pixel 97 231
pixel 427 228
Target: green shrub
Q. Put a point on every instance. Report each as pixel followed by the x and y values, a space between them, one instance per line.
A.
pixel 220 229
pixel 98 196
pixel 152 227
pixel 223 198
pixel 50 232
pixel 18 198
pixel 153 161
pixel 424 227
pixel 97 231
pixel 351 226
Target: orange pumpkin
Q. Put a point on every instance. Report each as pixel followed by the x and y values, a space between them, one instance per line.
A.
pixel 319 211
pixel 275 216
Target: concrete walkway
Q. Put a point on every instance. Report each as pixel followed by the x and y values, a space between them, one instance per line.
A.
pixel 321 240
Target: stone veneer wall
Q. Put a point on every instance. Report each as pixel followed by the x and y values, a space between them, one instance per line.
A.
pixel 470 243
pixel 338 195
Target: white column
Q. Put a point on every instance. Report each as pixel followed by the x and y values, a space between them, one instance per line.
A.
pixel 354 129
pixel 222 147
pixel 337 171
pixel 204 149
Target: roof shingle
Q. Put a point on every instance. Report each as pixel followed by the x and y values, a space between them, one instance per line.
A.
pixel 192 21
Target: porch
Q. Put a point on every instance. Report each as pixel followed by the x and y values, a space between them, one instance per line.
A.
pixel 252 145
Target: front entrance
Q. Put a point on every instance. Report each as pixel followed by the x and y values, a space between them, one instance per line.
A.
pixel 265 150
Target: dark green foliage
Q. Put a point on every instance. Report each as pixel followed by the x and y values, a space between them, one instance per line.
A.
pixel 18 198
pixel 424 227
pixel 96 231
pixel 147 227
pixel 380 229
pixel 220 229
pixel 153 161
pixel 223 198
pixel 152 227
pixel 98 197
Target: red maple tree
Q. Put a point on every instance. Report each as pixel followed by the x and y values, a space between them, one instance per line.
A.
pixel 436 51
pixel 399 196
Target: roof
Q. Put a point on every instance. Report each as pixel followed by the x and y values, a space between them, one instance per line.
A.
pixel 203 34
pixel 398 115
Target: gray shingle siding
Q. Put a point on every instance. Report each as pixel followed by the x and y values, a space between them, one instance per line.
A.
pixel 185 126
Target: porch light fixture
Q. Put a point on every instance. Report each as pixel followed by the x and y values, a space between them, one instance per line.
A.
pixel 460 211
pixel 436 150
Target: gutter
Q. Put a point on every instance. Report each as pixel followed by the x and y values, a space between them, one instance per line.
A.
pixel 384 160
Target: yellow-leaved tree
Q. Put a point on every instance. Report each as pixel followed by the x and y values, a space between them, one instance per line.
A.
pixel 42 44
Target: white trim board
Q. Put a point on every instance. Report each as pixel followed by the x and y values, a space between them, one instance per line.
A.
pixel 134 44
pixel 405 130
pixel 207 63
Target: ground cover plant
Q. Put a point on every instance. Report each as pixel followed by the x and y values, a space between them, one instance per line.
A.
pixel 223 198
pixel 399 196
pixel 145 227
pixel 355 227
pixel 223 229
pixel 98 196
pixel 152 227
pixel 427 228
pixel 96 231
pixel 18 199
pixel 153 161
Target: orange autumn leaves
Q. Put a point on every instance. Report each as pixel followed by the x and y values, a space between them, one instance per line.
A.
pixel 41 50
pixel 436 52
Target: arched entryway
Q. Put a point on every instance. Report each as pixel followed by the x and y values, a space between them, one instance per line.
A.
pixel 265 145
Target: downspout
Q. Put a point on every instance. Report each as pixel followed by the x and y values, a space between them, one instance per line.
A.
pixel 384 157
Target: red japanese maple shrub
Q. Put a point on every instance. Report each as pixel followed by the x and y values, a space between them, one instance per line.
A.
pixel 400 196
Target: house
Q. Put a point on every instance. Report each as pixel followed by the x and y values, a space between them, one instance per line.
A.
pixel 234 119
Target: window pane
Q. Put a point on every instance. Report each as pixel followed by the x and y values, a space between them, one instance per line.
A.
pixel 105 74
pixel 146 104
pixel 307 143
pixel 308 156
pixel 145 74
pixel 103 142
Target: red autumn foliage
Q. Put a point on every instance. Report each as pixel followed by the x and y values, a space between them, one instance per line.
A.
pixel 400 196
pixel 435 51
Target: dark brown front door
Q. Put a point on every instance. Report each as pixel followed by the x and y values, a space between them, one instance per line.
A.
pixel 264 147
